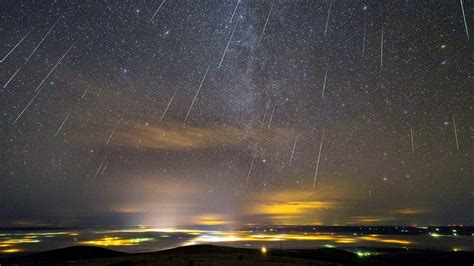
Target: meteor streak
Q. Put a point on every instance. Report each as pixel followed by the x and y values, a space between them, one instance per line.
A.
pixel 464 18
pixel 14 74
pixel 324 84
pixel 235 9
pixel 105 167
pixel 84 94
pixel 363 41
pixel 168 106
pixel 250 171
pixel 100 166
pixel 227 46
pixel 381 50
pixel 455 133
pixel 197 93
pixel 294 148
pixel 31 54
pixel 271 118
pixel 51 71
pixel 42 40
pixel 156 12
pixel 111 135
pixel 62 124
pixel 40 88
pixel 265 115
pixel 319 158
pixel 327 20
pixel 14 47
pixel 266 22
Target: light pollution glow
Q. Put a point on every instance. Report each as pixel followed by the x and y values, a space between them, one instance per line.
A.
pixel 211 236
pixel 116 241
pixel 144 236
pixel 156 202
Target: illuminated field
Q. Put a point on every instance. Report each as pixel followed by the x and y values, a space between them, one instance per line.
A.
pixel 137 239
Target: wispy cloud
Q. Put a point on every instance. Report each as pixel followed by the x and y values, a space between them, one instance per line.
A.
pixel 176 137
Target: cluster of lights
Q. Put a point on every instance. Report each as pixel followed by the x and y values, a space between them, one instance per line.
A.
pixel 364 253
pixel 9 243
pixel 239 236
pixel 116 241
pixel 11 250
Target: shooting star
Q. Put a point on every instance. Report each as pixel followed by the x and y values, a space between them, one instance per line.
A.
pixel 235 9
pixel 293 151
pixel 381 50
pixel 111 135
pixel 62 124
pixel 412 145
pixel 197 93
pixel 14 47
pixel 54 67
pixel 227 46
pixel 156 12
pixel 11 78
pixel 250 171
pixel 85 91
pixel 363 41
pixel 38 91
pixel 42 40
pixel 168 106
pixel 105 167
pixel 455 133
pixel 28 105
pixel 324 83
pixel 319 158
pixel 271 118
pixel 31 54
pixel 327 20
pixel 266 22
pixel 265 115
pixel 100 166
pixel 464 17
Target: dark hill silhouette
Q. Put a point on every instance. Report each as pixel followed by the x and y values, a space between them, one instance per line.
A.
pixel 75 253
pixel 220 255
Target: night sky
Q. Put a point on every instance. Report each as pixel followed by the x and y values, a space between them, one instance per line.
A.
pixel 236 112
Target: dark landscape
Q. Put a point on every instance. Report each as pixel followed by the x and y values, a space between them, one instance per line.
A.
pixel 219 255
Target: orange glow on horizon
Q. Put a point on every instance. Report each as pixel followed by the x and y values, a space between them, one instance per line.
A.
pixel 11 250
pixel 211 219
pixel 374 238
pixel 116 241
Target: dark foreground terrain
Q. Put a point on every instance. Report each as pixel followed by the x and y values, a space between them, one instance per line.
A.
pixel 219 255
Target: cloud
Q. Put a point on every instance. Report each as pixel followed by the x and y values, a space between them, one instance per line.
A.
pixel 212 219
pixel 291 206
pixel 293 212
pixel 412 211
pixel 181 137
pixel 369 219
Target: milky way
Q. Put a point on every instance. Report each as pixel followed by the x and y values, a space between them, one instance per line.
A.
pixel 158 112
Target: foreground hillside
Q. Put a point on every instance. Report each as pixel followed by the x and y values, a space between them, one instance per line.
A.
pixel 219 255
